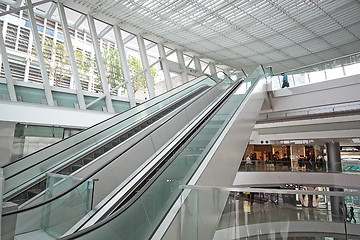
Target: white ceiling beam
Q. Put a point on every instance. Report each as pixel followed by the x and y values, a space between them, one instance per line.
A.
pixel 17 9
pixel 145 63
pixel 105 31
pixel 188 65
pixel 71 54
pixel 100 64
pixel 150 45
pixel 6 65
pixel 51 10
pixel 128 39
pixel 124 65
pixel 79 21
pixel 41 59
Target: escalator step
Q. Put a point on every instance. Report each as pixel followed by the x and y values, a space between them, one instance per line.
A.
pixel 33 192
pixel 107 147
pixel 97 153
pixel 65 171
pixel 87 160
pixel 115 143
pixel 75 167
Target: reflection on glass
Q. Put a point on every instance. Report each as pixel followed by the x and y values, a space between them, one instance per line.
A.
pixel 244 213
pixel 60 215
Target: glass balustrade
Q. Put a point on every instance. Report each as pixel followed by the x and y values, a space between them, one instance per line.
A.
pixel 263 213
pixel 336 68
pixel 53 217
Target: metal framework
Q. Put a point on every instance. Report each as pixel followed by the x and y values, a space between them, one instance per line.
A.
pixel 75 72
pixel 38 47
pixel 46 9
pixel 180 57
pixel 285 34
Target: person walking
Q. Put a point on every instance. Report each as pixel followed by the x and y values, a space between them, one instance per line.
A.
pixel 351 215
pixel 248 163
pixel 285 80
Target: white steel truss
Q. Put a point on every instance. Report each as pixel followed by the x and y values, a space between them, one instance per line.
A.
pixel 53 12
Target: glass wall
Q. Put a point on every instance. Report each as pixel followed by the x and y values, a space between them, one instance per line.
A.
pixel 58 70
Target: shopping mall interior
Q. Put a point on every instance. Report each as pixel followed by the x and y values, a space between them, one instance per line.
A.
pixel 179 120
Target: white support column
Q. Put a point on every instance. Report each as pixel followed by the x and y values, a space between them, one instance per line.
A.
pixel 100 64
pixel 2 179
pixel 70 49
pixel 3 31
pixel 180 57
pixel 212 68
pixel 124 66
pixel 28 58
pixel 37 43
pixel 165 66
pixel 5 61
pixel 197 64
pixel 145 64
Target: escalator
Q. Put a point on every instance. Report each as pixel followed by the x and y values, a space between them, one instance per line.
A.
pixel 93 154
pixel 161 161
pixel 26 177
pixel 139 213
pixel 36 211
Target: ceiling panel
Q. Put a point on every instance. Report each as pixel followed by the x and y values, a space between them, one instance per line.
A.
pixel 350 47
pixel 340 37
pixel 260 59
pixel 295 51
pixel 279 41
pixel 275 29
pixel 277 56
pixel 355 29
pixel 309 59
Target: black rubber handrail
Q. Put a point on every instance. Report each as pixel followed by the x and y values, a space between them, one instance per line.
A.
pixel 86 178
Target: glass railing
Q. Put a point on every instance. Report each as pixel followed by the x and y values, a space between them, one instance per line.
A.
pixel 53 217
pixel 78 145
pixel 139 218
pixel 336 68
pixel 54 222
pixel 255 213
pixel 301 165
